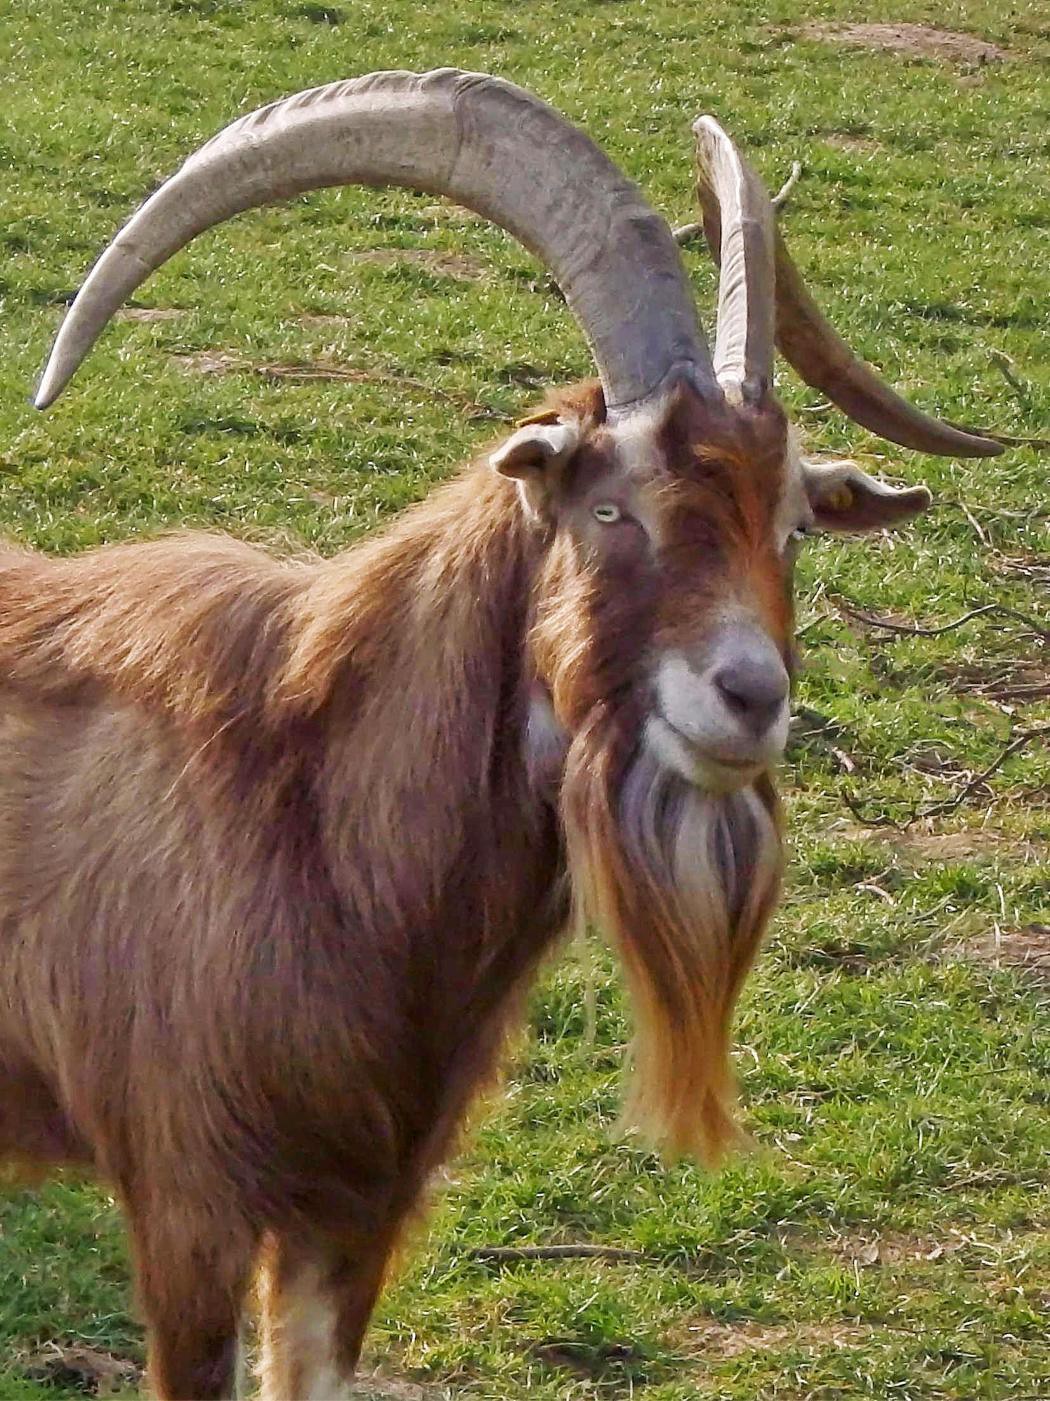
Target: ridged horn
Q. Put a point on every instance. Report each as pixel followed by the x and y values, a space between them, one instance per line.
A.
pixel 739 220
pixel 737 226
pixel 481 141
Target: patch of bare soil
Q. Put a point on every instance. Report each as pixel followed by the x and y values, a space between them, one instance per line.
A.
pixel 962 846
pixel 846 141
pixel 717 1341
pixel 944 846
pixel 1025 946
pixel 452 213
pixel 986 1251
pixel 322 319
pixel 390 1389
pixel 915 847
pixel 461 267
pixel 83 1369
pixel 897 1248
pixel 911 40
pixel 149 313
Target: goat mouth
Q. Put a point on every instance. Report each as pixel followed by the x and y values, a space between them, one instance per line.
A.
pixel 702 766
pixel 741 765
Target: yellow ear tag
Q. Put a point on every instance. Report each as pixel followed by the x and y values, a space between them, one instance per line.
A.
pixel 841 499
pixel 540 416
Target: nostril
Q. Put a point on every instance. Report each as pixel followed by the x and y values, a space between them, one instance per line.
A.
pixel 753 690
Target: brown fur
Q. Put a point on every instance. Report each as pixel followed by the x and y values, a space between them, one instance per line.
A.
pixel 275 870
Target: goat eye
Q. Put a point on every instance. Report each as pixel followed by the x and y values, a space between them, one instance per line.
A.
pixel 607 512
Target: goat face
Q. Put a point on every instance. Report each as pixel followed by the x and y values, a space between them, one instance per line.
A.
pixel 663 634
pixel 668 594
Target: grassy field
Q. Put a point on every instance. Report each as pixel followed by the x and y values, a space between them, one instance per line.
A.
pixel 300 374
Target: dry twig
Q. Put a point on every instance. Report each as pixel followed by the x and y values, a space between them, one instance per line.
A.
pixel 1008 440
pixel 1018 742
pixel 946 805
pixel 219 363
pixel 687 233
pixel 690 233
pixel 917 630
pixel 1005 366
pixel 786 190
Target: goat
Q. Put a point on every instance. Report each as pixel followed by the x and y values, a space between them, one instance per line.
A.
pixel 282 843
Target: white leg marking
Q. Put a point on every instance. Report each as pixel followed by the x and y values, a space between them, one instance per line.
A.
pixel 298 1357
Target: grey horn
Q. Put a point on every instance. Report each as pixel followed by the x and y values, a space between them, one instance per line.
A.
pixel 484 143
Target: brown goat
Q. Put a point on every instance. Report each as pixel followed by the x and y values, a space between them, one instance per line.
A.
pixel 281 843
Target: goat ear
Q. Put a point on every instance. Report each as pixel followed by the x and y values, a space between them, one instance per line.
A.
pixel 530 454
pixel 847 499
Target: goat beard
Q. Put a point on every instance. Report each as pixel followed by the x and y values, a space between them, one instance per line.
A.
pixel 682 882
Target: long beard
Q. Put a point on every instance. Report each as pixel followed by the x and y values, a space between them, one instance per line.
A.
pixel 683 883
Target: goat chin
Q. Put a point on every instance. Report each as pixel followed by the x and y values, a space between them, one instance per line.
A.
pixel 682 881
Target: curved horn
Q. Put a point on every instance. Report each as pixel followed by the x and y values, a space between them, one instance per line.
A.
pixel 807 339
pixel 804 336
pixel 483 142
pixel 739 223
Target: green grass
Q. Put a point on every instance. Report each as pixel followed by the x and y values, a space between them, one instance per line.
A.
pixel 898 1091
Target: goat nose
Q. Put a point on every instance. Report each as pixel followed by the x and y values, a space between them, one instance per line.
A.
pixel 753 689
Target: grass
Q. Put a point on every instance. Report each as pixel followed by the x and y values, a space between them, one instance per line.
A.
pixel 891 1235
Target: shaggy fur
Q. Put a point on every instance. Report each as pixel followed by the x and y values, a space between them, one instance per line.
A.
pixel 276 866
